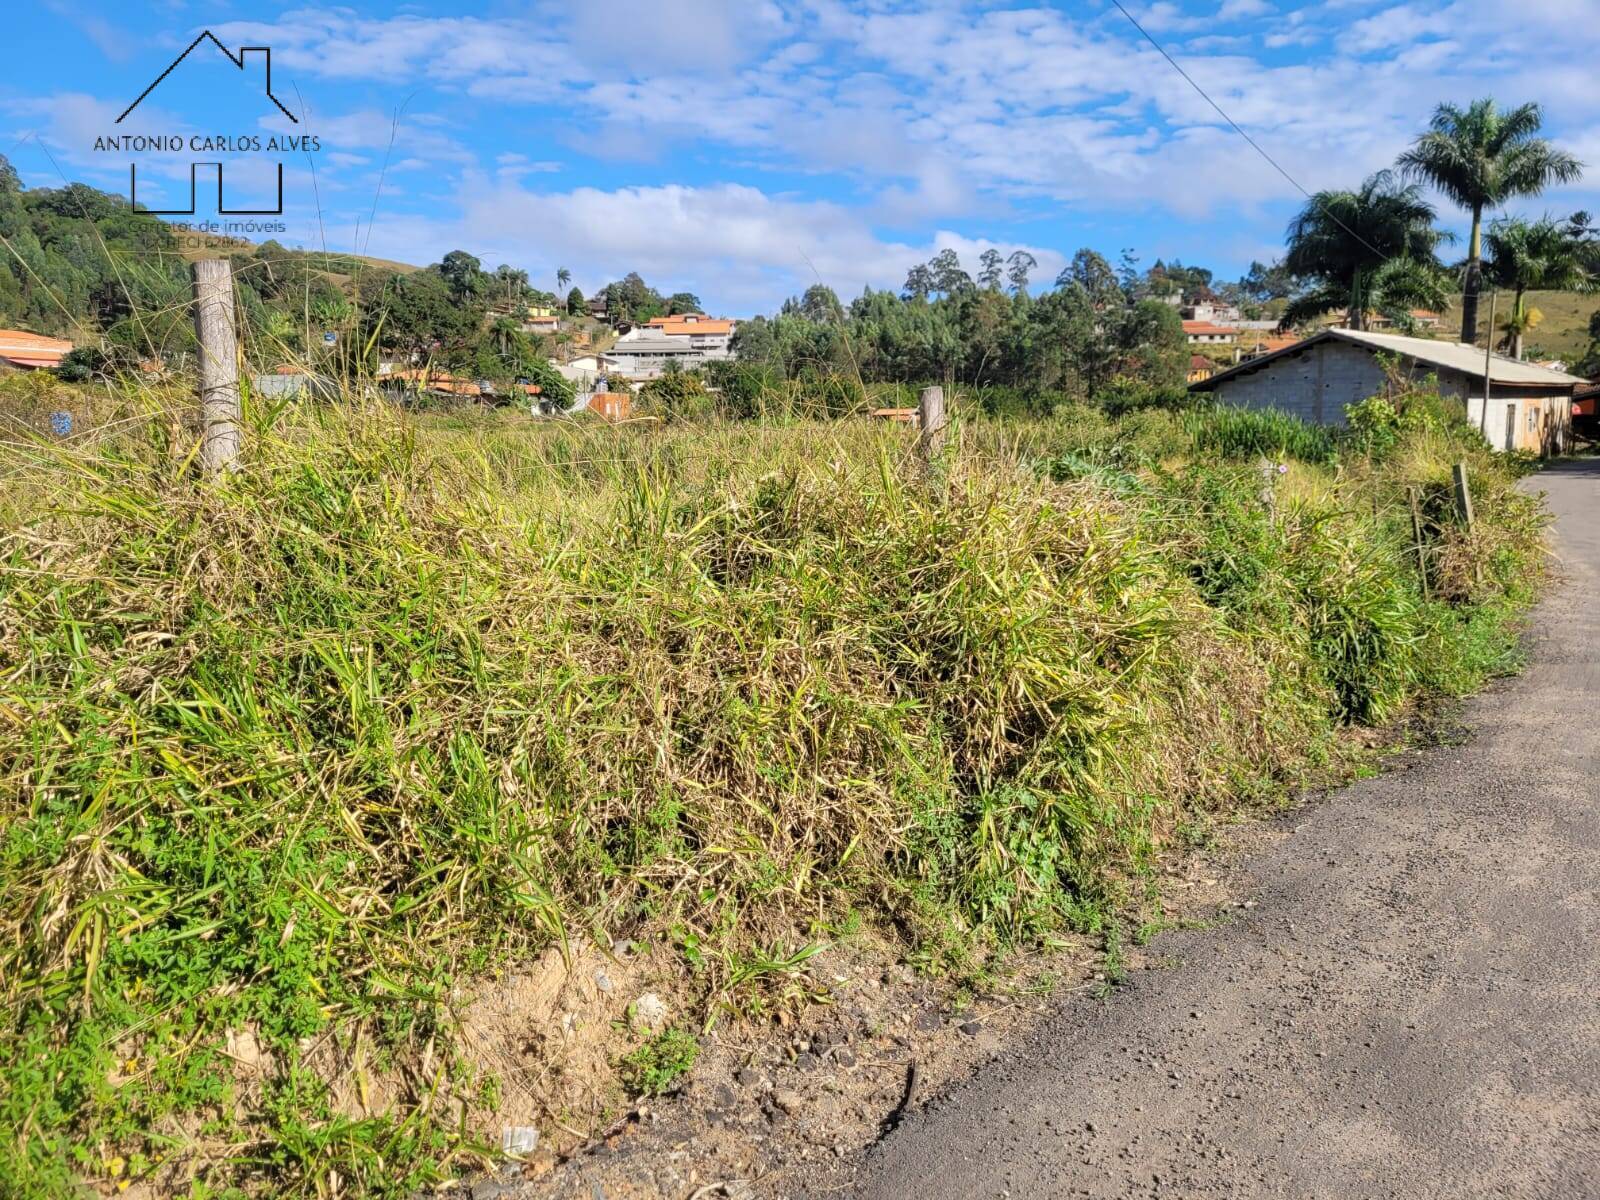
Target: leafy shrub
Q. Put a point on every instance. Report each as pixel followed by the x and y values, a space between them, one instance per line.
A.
pixel 1126 394
pixel 675 396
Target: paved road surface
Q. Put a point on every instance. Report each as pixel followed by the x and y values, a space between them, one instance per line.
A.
pixel 1412 1009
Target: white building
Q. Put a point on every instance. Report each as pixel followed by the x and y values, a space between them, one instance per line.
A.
pixel 688 339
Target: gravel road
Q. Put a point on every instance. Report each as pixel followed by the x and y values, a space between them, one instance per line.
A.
pixel 1410 1008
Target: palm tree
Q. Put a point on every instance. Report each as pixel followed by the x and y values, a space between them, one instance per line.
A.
pixel 1362 251
pixel 1542 255
pixel 563 277
pixel 1481 157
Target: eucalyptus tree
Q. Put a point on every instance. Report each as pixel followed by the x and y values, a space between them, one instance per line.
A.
pixel 1018 267
pixel 1091 272
pixel 1480 157
pixel 990 271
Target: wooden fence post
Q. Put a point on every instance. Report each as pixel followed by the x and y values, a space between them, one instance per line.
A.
pixel 930 423
pixel 1268 471
pixel 1463 494
pixel 1416 536
pixel 216 329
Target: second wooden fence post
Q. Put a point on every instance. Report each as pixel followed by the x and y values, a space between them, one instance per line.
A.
pixel 1458 474
pixel 930 423
pixel 216 329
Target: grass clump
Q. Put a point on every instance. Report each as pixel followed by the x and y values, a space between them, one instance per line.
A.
pixel 1256 432
pixel 292 759
pixel 655 1067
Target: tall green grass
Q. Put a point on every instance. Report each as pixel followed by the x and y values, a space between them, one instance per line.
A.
pixel 1249 432
pixel 307 750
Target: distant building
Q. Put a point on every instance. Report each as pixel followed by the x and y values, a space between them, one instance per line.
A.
pixel 1212 311
pixel 714 336
pixel 586 370
pixel 1422 318
pixel 688 339
pixel 1529 407
pixel 1205 333
pixel 1255 344
pixel 1200 367
pixel 541 323
pixel 32 351
pixel 647 357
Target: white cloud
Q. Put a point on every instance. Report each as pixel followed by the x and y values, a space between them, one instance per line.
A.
pixel 754 246
pixel 886 120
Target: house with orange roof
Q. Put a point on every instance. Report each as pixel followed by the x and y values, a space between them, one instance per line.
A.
pixel 1207 333
pixel 686 339
pixel 32 351
pixel 704 333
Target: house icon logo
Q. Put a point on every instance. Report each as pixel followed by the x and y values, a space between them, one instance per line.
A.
pixel 244 60
pixel 237 60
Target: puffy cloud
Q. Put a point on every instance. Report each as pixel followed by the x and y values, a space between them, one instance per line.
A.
pixel 785 137
pixel 946 109
pixel 732 242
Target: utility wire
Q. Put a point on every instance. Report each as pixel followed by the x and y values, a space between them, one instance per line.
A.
pixel 1254 145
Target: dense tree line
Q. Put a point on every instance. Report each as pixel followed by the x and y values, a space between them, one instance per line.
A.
pixel 1093 328
pixel 77 259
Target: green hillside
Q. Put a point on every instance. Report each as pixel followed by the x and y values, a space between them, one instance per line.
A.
pixel 1564 332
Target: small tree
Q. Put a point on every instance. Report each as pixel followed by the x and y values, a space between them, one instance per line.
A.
pixel 575 302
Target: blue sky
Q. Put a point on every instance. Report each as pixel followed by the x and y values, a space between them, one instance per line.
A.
pixel 742 150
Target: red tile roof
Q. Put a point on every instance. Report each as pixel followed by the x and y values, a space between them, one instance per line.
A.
pixel 32 349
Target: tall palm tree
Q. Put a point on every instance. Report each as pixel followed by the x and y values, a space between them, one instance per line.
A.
pixel 1481 157
pixel 563 277
pixel 1368 250
pixel 1542 255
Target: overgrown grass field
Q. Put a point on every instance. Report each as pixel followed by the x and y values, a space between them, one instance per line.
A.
pixel 293 758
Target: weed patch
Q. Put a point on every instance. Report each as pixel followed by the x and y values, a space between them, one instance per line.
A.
pixel 295 760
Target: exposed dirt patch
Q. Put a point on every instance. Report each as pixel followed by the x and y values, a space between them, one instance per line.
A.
pixel 766 1099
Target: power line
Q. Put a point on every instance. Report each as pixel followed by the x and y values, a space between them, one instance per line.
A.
pixel 1254 145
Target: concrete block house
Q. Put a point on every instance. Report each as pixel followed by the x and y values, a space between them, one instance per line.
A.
pixel 1529 407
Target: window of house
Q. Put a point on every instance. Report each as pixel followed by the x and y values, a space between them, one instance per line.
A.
pixel 1533 419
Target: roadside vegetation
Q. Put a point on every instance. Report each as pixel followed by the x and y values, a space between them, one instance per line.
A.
pixel 293 763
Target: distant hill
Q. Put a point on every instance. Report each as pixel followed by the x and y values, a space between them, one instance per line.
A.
pixel 1564 331
pixel 336 263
